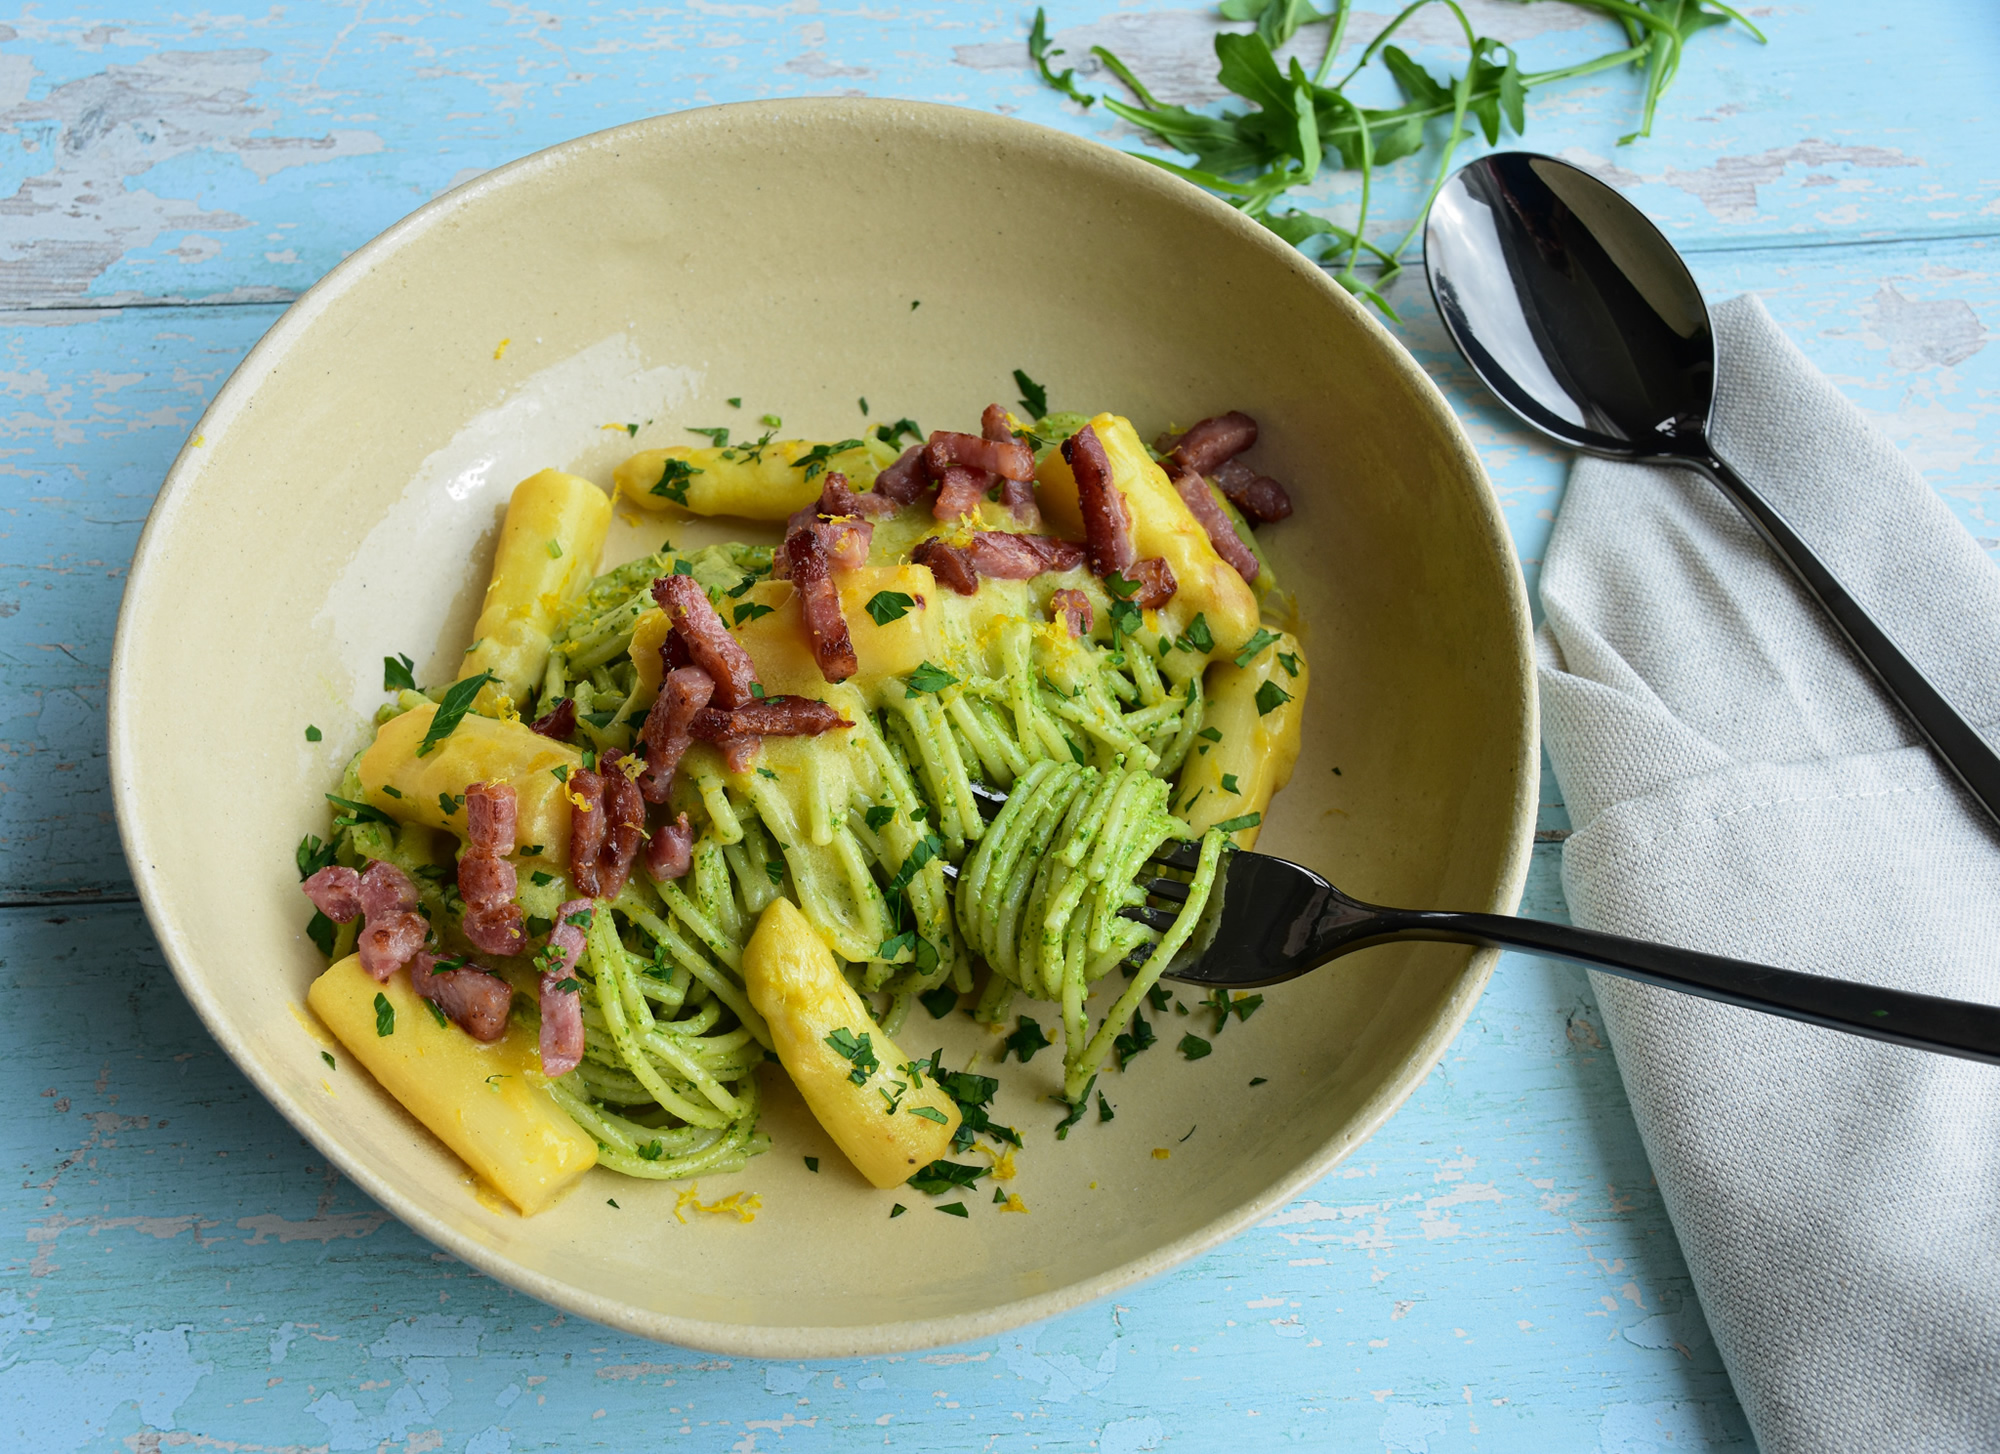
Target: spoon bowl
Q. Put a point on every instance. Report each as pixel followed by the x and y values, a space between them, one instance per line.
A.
pixel 1575 310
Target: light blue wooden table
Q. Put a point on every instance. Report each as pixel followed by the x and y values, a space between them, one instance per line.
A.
pixel 179 1270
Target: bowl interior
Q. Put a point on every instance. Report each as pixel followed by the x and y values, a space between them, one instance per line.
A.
pixel 340 503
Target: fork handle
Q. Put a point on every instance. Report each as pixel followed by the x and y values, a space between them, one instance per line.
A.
pixel 1927 1022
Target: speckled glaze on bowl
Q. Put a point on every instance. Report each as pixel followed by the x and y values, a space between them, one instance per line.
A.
pixel 339 500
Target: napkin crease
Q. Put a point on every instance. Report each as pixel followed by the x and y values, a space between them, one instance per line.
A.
pixel 1740 784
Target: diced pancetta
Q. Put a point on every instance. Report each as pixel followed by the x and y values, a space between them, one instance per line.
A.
pixel 1260 498
pixel 949 565
pixel 708 642
pixel 1017 495
pixel 560 998
pixel 471 996
pixel 1207 446
pixel 670 851
pixel 1006 456
pixel 1107 526
pixel 392 930
pixel 607 825
pixel 772 717
pixel 1072 608
pixel 336 892
pixel 1009 557
pixel 819 607
pixel 904 481
pixel 683 692
pixel 1156 582
pixel 960 489
pixel 559 722
pixel 486 880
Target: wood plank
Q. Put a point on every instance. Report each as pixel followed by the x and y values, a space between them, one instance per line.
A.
pixel 178 1264
pixel 233 157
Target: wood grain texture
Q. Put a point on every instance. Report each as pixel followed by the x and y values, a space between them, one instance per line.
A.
pixel 1492 1271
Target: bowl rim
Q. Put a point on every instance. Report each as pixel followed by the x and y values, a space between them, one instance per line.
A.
pixel 815 1341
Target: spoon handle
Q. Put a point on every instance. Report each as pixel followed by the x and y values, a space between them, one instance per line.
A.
pixel 1956 740
pixel 1926 1022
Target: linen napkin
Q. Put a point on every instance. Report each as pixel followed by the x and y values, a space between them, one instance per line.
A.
pixel 1739 784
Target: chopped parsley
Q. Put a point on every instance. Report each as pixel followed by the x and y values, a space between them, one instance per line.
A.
pixel 1034 398
pixel 540 877
pixel 718 436
pixel 320 930
pixel 1289 662
pixel 943 1176
pixel 1238 823
pixel 449 803
pixel 1254 645
pixel 560 772
pixel 737 402
pixel 864 406
pixel 555 548
pixel 1104 1111
pixel 312 733
pixel 683 567
pixel 436 1012
pixel 312 856
pixel 928 678
pixel 1258 1080
pixel 774 870
pixel 385 1016
pixel 652 1151
pixel 890 433
pixel 451 711
pixel 1160 997
pixel 1229 784
pixel 812 1164
pixel 896 1211
pixel 1213 734
pixel 1270 697
pixel 357 813
pixel 612 1202
pixel 1140 1038
pixel 740 587
pixel 771 421
pixel 394 792
pixel 940 1001
pixel 1076 1110
pixel 673 481
pixel 999 1197
pixel 877 818
pixel 766 772
pixel 931 1113
pixel 814 460
pixel 954 1209
pixel 396 674
pixel 533 850
pixel 887 606
pixel 1026 1040
pixel 1197 637
pixel 1244 1006
pixel 331 1063
pixel 857 1051
pixel 927 848
pixel 1194 1047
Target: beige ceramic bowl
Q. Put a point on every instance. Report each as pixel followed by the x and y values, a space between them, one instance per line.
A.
pixel 339 500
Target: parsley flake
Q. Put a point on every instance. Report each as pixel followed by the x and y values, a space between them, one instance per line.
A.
pixel 886 606
pixel 718 436
pixel 891 433
pixel 931 1113
pixel 1229 784
pixel 814 460
pixel 940 1001
pixel 1213 734
pixel 312 856
pixel 385 1016
pixel 652 1151
pixel 451 711
pixel 1194 1047
pixel 1289 662
pixel 771 421
pixel 896 1211
pixel 857 1051
pixel 812 1163
pixel 1270 697
pixel 436 1013
pixel 1034 398
pixel 331 1063
pixel 396 674
pixel 1255 644
pixel 555 548
pixel 864 406
pixel 673 481
pixel 943 1176
pixel 1238 823
pixel 774 870
pixel 321 931
pixel 541 877
pixel 766 772
pixel 357 813
pixel 1258 1080
pixel 312 733
pixel 1026 1040
pixel 737 402
pixel 1197 637
pixel 1104 1111
pixel 928 678
pixel 1076 1110
pixel 954 1209
pixel 878 817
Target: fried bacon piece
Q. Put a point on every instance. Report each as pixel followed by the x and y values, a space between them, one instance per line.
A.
pixel 607 819
pixel 837 499
pixel 1212 443
pixel 1107 526
pixel 561 1004
pixel 1004 456
pixel 951 567
pixel 1072 608
pixel 336 892
pixel 819 606
pixel 960 490
pixel 772 717
pixel 1194 493
pixel 1156 583
pixel 471 996
pixel 683 692
pixel 393 929
pixel 708 642
pixel 670 851
pixel 902 482
pixel 559 722
pixel 1260 498
pixel 486 880
pixel 1009 557
pixel 1017 495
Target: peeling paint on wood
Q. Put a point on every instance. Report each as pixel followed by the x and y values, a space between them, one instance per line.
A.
pixel 1493 1270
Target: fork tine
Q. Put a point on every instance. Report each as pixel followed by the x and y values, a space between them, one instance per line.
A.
pixel 1168 888
pixel 1178 855
pixel 1160 919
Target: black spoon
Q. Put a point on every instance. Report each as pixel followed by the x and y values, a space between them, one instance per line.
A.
pixel 1574 309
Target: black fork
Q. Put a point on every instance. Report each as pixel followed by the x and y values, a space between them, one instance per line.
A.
pixel 1269 921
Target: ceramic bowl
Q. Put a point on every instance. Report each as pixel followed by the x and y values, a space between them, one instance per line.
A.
pixel 339 500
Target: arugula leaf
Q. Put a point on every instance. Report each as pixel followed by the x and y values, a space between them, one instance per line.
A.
pixel 928 678
pixel 396 674
pixel 1034 398
pixel 887 606
pixel 1040 54
pixel 451 711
